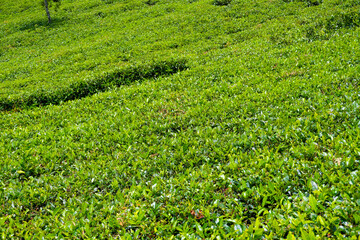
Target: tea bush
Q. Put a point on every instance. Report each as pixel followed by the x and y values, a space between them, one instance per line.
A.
pixel 221 2
pixel 88 87
pixel 180 120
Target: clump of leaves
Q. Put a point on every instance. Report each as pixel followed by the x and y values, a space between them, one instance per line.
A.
pixel 309 3
pixel 150 2
pixel 108 1
pixel 221 2
pixel 56 4
pixel 324 27
pixel 314 2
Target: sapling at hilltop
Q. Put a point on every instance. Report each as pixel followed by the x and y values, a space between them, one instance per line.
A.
pixel 46 4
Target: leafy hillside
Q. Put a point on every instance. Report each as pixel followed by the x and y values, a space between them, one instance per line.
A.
pixel 187 119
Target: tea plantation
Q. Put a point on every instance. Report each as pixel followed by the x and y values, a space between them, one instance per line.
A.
pixel 180 119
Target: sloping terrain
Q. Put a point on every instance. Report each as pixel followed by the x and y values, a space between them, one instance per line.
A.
pixel 180 119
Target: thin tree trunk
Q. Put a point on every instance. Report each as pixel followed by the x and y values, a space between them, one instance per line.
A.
pixel 47 10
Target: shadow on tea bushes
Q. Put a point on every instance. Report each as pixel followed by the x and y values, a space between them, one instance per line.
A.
pixel 85 88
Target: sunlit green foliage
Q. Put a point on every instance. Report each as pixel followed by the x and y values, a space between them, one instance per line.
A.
pixel 189 119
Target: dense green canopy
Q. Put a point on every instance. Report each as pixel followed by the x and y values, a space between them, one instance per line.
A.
pixel 180 119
